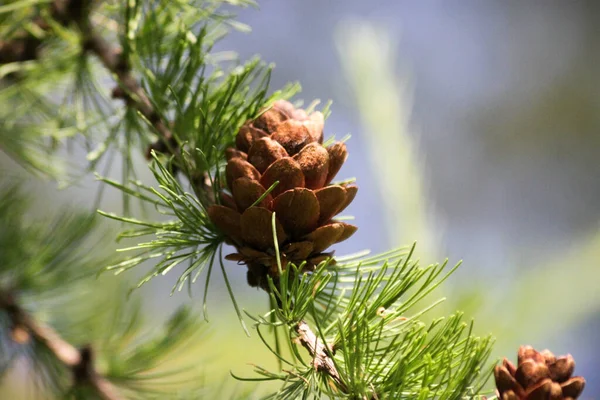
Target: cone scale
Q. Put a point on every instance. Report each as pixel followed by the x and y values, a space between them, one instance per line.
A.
pixel 284 146
pixel 538 376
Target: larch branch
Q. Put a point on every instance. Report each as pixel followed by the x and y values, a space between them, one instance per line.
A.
pixel 25 46
pixel 129 88
pixel 322 360
pixel 79 361
pixel 131 91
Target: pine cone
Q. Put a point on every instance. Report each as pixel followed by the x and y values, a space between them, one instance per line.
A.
pixel 539 376
pixel 283 144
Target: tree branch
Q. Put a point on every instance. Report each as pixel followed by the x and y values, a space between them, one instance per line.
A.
pixel 26 46
pixel 129 88
pixel 79 361
pixel 322 360
pixel 134 95
pixel 84 373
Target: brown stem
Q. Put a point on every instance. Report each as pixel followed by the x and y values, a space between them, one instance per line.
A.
pixel 25 47
pixel 19 49
pixel 85 374
pixel 129 88
pixel 65 12
pixel 79 361
pixel 322 360
pixel 135 96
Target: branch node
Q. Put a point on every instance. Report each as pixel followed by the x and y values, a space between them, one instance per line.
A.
pixel 79 361
pixel 83 371
pixel 322 360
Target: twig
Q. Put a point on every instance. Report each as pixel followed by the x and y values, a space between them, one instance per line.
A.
pixel 129 88
pixel 85 373
pixel 79 361
pixel 77 12
pixel 19 49
pixel 25 47
pixel 134 95
pixel 320 354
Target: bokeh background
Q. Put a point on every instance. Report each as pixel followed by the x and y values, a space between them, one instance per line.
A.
pixel 475 132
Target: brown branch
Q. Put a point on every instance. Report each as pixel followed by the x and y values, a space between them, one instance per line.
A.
pixel 79 361
pixel 25 47
pixel 84 373
pixel 129 88
pixel 134 95
pixel 19 49
pixel 320 353
pixel 77 12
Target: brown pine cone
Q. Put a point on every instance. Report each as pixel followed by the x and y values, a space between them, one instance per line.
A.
pixel 283 144
pixel 538 376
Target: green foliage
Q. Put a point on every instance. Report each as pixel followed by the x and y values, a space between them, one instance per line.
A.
pixel 39 105
pixel 365 49
pixel 204 95
pixel 366 312
pixel 199 91
pixel 41 256
pixel 49 267
pixel 362 310
pixel 30 125
pixel 143 362
pixel 187 236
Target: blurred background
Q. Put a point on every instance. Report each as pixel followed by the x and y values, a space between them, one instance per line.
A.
pixel 475 132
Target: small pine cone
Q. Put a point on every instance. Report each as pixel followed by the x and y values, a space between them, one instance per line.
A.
pixel 538 375
pixel 283 144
